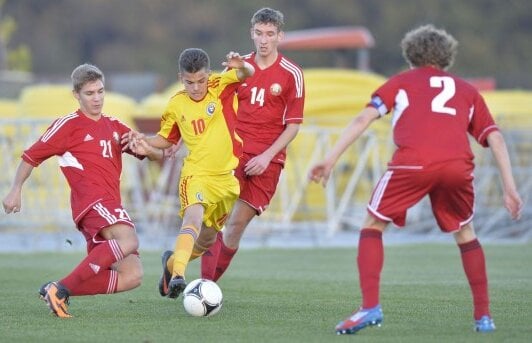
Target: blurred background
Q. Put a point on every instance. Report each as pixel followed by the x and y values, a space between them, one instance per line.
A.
pixel 136 43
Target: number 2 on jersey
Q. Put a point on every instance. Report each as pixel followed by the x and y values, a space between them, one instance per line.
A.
pixel 446 83
pixel 257 95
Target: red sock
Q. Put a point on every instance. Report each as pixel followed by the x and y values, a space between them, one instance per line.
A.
pixel 370 260
pixel 474 264
pixel 105 282
pixel 99 260
pixel 224 259
pixel 210 258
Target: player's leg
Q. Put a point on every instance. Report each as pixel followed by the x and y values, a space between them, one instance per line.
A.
pixel 474 263
pixel 113 244
pixel 255 196
pixel 110 237
pixel 209 259
pixel 395 192
pixel 452 201
pixel 239 219
pixel 123 276
pixel 130 273
pixel 184 244
pixel 370 260
pixel 206 238
pixel 226 190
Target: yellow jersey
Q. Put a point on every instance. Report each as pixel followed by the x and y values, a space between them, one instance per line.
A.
pixel 207 127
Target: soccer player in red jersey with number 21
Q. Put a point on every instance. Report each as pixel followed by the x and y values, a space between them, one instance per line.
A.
pixel 87 143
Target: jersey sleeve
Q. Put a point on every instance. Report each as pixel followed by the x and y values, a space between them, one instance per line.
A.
pixel 228 83
pixel 295 100
pixel 383 98
pixel 169 129
pixel 51 143
pixel 481 123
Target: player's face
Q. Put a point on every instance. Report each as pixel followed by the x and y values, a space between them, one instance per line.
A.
pixel 266 38
pixel 195 84
pixel 90 98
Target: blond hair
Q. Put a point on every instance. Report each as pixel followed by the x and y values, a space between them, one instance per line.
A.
pixel 85 73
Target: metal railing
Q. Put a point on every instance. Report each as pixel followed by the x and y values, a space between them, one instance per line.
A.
pixel 150 189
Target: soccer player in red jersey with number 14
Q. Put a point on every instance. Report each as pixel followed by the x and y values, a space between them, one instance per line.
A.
pixel 87 143
pixel 270 110
pixel 433 113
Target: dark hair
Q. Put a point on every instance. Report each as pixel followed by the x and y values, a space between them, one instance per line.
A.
pixel 268 15
pixel 193 60
pixel 85 73
pixel 427 45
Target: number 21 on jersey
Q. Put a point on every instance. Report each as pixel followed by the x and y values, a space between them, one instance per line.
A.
pixel 107 152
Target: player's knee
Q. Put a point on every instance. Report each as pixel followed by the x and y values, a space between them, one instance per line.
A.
pixel 135 276
pixel 129 245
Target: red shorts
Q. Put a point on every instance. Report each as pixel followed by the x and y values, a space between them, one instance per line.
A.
pixel 449 186
pixel 103 214
pixel 257 190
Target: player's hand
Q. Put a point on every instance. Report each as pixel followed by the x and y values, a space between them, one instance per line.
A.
pixel 170 153
pixel 513 203
pixel 320 173
pixel 233 60
pixel 140 146
pixel 12 202
pixel 257 165
pixel 129 139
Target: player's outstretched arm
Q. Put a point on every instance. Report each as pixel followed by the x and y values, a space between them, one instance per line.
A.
pixel 235 61
pixel 511 198
pixel 13 200
pixel 321 171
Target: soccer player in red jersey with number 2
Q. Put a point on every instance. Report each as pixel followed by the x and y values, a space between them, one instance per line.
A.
pixel 433 113
pixel 87 143
pixel 270 110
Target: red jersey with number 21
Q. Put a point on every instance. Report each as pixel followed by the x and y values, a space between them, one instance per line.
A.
pixel 433 112
pixel 90 157
pixel 267 101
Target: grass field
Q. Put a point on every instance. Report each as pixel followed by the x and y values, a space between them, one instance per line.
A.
pixel 277 295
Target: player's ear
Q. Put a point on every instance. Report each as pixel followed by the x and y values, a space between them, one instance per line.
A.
pixel 251 32
pixel 75 94
pixel 281 35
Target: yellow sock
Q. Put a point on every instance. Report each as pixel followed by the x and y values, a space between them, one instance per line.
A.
pixel 170 263
pixel 184 244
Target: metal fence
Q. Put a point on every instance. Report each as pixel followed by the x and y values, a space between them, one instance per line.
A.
pixel 150 189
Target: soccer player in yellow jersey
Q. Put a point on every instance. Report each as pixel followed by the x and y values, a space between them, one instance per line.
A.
pixel 202 116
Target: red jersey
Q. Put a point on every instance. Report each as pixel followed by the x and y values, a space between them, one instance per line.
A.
pixel 89 154
pixel 267 101
pixel 433 112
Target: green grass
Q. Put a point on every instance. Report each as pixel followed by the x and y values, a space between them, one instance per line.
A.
pixel 277 295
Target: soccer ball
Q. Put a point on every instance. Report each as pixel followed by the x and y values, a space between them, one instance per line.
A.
pixel 202 298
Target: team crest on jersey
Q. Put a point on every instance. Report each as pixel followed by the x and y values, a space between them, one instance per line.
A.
pixel 199 196
pixel 275 89
pixel 183 118
pixel 116 137
pixel 211 107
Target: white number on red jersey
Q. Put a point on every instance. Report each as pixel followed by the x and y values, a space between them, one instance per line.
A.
pixel 106 148
pixel 122 214
pixel 446 83
pixel 257 96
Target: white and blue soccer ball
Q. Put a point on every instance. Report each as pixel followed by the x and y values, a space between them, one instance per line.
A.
pixel 202 298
